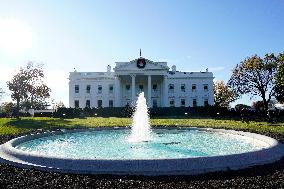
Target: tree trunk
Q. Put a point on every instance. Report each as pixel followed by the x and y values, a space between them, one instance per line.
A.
pixel 32 102
pixel 265 102
pixel 265 105
pixel 18 109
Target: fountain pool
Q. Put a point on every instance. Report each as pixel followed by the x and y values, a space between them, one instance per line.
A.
pixel 141 150
pixel 171 151
pixel 164 144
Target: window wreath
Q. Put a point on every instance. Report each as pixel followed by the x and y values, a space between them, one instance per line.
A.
pixel 141 63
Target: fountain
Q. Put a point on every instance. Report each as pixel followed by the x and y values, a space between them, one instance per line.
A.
pixel 141 150
pixel 140 129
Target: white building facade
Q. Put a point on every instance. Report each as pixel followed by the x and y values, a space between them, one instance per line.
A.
pixel 162 87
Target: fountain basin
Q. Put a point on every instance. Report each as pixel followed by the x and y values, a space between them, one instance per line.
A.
pixel 264 150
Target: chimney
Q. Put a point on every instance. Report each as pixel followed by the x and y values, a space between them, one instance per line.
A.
pixel 108 68
pixel 174 68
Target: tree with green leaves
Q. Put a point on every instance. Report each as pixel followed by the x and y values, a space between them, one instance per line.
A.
pixel 223 95
pixel 258 105
pixel 256 76
pixel 240 107
pixel 58 105
pixel 7 108
pixel 279 89
pixel 28 86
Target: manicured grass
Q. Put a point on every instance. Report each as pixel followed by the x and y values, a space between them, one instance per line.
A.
pixel 14 126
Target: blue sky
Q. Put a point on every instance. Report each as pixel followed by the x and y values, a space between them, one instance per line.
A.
pixel 89 35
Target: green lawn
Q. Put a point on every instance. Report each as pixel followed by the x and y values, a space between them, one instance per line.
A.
pixel 14 126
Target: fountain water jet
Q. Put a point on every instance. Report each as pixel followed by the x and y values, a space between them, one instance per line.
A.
pixel 140 129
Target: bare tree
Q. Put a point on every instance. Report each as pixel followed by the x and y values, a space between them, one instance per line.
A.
pixel 28 85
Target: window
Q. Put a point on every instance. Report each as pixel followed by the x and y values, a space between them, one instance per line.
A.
pixel 88 104
pixel 205 87
pixel 88 88
pixel 76 103
pixel 206 102
pixel 76 88
pixel 193 87
pixel 100 103
pixel 127 87
pixel 100 88
pixel 154 87
pixel 182 102
pixel 171 88
pixel 172 103
pixel 194 103
pixel 141 88
pixel 110 89
pixel 182 87
pixel 128 102
pixel 110 103
pixel 155 103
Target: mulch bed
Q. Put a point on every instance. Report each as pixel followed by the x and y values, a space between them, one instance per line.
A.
pixel 265 176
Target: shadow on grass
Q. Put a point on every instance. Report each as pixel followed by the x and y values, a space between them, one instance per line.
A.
pixel 235 118
pixel 44 124
pixel 206 118
pixel 181 117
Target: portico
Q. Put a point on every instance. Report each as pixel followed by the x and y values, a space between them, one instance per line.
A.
pixel 142 75
pixel 131 85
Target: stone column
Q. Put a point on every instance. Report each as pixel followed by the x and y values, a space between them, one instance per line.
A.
pixel 117 91
pixel 133 96
pixel 149 91
pixel 166 94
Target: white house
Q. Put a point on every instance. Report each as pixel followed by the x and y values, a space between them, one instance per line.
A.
pixel 162 87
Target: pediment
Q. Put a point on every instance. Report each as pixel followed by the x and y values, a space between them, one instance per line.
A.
pixel 149 65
